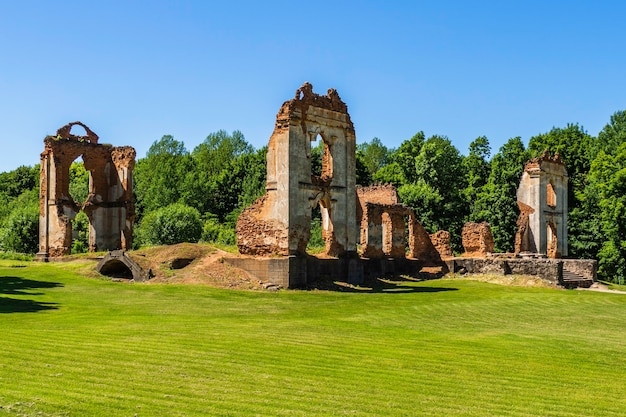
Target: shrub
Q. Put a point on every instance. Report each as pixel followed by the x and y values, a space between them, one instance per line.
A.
pixel 21 230
pixel 214 232
pixel 175 223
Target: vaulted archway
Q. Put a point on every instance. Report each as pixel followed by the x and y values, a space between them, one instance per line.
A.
pixel 110 204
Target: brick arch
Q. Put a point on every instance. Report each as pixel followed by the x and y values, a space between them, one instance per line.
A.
pixel 110 204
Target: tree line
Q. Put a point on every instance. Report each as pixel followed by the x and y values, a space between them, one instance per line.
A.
pixel 184 195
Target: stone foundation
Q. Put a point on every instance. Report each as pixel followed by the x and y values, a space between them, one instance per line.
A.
pixel 305 271
pixel 552 270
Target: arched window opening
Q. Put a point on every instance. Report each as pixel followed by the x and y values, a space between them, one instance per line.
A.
pixel 321 161
pixel 552 243
pixel 550 195
pixel 78 130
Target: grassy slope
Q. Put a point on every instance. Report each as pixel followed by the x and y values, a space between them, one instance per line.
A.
pixel 446 347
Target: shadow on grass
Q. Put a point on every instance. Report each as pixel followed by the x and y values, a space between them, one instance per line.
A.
pixel 13 305
pixel 21 286
pixel 397 284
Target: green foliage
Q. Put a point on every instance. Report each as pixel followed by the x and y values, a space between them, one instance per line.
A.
pixel 317 152
pixel 227 174
pixel 374 155
pixel 391 173
pixel 316 243
pixel 252 170
pixel 604 199
pixel 405 156
pixel 451 347
pixel 435 192
pixel 477 168
pixel 161 176
pixel 23 178
pixel 14 256
pixel 612 136
pixel 80 227
pixel 215 232
pixel 363 176
pixel 20 232
pixel 79 182
pixel 573 144
pixel 17 188
pixel 172 224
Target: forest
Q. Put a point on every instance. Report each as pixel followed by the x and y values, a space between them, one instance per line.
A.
pixel 196 195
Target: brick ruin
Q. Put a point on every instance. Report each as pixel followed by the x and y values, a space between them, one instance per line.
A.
pixel 441 241
pixel 383 225
pixel 542 200
pixel 110 204
pixel 477 239
pixel 279 223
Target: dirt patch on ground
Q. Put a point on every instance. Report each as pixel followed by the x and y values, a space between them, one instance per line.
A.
pixel 190 263
pixel 511 280
pixel 599 287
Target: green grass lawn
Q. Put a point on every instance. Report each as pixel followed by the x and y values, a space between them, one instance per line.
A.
pixel 75 346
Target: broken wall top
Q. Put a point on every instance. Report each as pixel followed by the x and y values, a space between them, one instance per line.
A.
pixel 305 98
pixel 378 193
pixel 546 163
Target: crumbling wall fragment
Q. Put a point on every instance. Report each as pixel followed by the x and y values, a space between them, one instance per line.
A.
pixel 524 240
pixel 477 239
pixel 441 242
pixel 420 245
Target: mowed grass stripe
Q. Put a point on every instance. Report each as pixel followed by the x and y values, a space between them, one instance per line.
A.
pixel 198 351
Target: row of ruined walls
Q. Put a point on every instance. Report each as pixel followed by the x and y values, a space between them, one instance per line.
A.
pixel 384 222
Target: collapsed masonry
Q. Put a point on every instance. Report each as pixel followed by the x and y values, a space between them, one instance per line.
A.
pixel 477 239
pixel 109 206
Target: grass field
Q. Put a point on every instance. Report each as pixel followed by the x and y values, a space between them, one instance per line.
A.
pixel 76 346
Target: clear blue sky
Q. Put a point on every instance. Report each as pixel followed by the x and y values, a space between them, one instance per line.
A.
pixel 136 70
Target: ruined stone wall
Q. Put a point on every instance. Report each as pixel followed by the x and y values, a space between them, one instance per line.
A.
pixel 110 204
pixel 372 230
pixel 542 198
pixel 283 215
pixel 383 230
pixel 378 193
pixel 477 239
pixel 384 222
pixel 420 245
pixel 441 242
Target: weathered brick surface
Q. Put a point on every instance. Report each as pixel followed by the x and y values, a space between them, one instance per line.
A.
pixel 279 223
pixel 441 242
pixel 542 200
pixel 477 239
pixel 109 205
